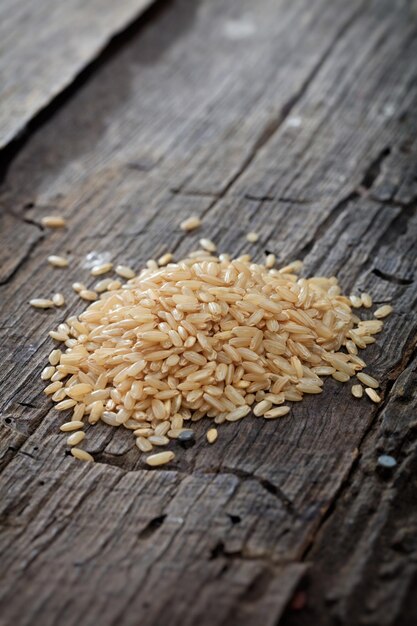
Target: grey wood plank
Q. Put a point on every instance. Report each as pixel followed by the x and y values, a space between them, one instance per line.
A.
pixel 45 45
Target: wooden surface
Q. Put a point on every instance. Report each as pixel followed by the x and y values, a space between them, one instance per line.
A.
pixel 45 45
pixel 296 120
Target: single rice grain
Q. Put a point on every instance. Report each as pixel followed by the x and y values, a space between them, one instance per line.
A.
pixel 53 221
pixel 42 303
pixel 103 268
pixel 124 271
pixel 69 426
pixel 270 261
pixel 190 223
pixel 82 455
pixel 372 394
pixel 279 411
pixel 212 435
pixel 383 311
pixel 58 299
pixel 368 381
pixel 161 458
pixel 208 245
pixel 357 391
pixel 76 438
pixel 366 300
pixel 57 261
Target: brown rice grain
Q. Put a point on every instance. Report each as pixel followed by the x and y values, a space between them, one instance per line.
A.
pixel 367 380
pixel 238 413
pixel 357 391
pixel 356 301
pixel 41 303
pixel 57 261
pixel 342 377
pixel 208 245
pixel 277 412
pixel 270 261
pixel 190 223
pixel 58 299
pixel 124 271
pixel 252 237
pixel 52 388
pixel 88 294
pixel 366 300
pixel 102 285
pixel 262 407
pixel 212 435
pixel 55 357
pixel 103 268
pixel 161 458
pixel 383 311
pixel 65 404
pixel 69 426
pixel 144 444
pixel 165 259
pixel 82 455
pixel 372 394
pixel 47 372
pixel 53 221
pixel 76 438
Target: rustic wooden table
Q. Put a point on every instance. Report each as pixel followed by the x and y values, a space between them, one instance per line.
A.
pixel 294 119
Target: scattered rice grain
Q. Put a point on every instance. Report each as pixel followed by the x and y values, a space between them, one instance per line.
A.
pixel 368 381
pixel 82 455
pixel 279 411
pixel 58 299
pixel 372 394
pixel 76 438
pixel 69 426
pixel 41 303
pixel 366 300
pixel 190 223
pixel 161 458
pixel 53 221
pixel 357 391
pixel 383 311
pixel 57 261
pixel 212 435
pixel 103 268
pixel 208 245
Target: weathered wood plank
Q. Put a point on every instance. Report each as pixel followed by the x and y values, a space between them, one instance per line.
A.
pixel 45 45
pixel 364 562
pixel 211 124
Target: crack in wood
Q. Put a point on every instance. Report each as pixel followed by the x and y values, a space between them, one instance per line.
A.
pixel 374 169
pixel 408 356
pixel 392 278
pixel 265 483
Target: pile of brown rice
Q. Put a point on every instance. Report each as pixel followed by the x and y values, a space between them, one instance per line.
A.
pixel 208 336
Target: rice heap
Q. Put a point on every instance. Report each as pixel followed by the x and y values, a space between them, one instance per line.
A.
pixel 207 336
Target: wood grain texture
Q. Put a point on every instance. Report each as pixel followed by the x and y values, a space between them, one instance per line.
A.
pixel 45 45
pixel 296 120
